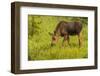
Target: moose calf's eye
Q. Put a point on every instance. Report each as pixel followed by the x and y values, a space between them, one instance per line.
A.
pixel 53 38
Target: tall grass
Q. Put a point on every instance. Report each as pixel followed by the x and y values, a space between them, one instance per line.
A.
pixel 39 40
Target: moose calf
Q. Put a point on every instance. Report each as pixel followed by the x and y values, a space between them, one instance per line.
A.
pixel 64 29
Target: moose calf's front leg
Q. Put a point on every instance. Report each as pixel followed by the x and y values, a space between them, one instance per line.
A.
pixel 66 40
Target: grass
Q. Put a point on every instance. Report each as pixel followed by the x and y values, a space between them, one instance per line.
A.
pixel 39 43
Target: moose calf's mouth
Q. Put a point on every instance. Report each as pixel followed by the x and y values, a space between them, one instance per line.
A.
pixel 52 44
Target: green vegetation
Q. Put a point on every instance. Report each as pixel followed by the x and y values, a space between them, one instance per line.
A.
pixel 39 40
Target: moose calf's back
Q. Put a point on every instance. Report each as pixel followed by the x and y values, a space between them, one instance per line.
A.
pixel 70 28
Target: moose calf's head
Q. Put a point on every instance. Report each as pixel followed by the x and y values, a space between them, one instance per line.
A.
pixel 54 38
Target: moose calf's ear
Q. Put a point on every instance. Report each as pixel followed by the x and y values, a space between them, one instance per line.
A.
pixel 50 33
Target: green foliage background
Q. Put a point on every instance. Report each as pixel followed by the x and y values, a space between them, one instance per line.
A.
pixel 39 40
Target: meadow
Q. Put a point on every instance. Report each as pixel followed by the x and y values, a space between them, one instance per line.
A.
pixel 39 39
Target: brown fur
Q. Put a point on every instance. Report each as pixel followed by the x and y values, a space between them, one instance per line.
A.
pixel 65 29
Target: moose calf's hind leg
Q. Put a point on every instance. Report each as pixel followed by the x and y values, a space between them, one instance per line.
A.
pixel 80 40
pixel 68 40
